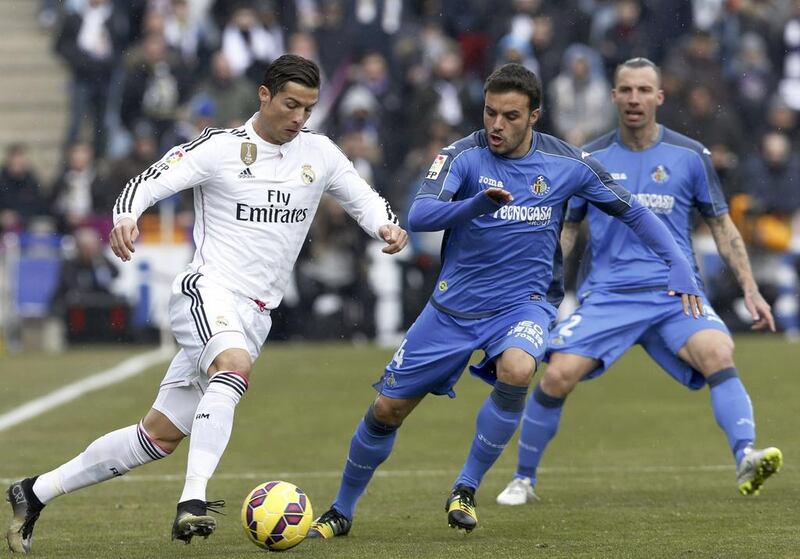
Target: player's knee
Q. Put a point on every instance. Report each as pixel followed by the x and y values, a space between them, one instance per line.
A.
pixel 390 411
pixel 713 358
pixel 232 360
pixel 162 431
pixel 558 381
pixel 516 368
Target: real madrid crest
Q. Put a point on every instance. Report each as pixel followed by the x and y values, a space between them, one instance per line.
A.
pixel 540 186
pixel 307 174
pixel 248 153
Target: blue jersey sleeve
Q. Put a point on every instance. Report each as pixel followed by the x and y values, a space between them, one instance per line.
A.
pixel 601 190
pixel 445 176
pixel 707 189
pixel 576 210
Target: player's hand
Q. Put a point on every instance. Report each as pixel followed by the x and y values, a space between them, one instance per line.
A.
pixel 499 195
pixel 759 309
pixel 692 304
pixel 396 238
pixel 122 237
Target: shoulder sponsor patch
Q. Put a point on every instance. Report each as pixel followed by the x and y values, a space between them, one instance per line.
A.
pixel 174 157
pixel 436 167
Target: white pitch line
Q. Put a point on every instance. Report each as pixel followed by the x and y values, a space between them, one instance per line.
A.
pixel 146 478
pixel 128 368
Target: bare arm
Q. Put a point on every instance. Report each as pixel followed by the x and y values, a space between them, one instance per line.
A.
pixel 569 234
pixel 732 249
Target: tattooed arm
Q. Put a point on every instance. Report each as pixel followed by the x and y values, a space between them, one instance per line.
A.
pixel 732 250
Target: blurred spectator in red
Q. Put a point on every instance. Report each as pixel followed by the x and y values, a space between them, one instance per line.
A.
pixel 579 99
pixel 20 192
pixel 248 45
pixel 89 42
pixel 78 191
pixel 155 85
pixel 234 99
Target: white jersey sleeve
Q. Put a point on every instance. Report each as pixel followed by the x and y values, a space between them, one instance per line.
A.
pixel 356 196
pixel 181 168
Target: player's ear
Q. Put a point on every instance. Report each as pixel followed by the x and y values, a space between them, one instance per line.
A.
pixel 263 94
pixel 534 116
pixel 660 97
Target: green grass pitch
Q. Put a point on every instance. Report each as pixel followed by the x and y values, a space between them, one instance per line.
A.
pixel 639 469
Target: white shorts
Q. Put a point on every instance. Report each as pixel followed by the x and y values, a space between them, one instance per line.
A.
pixel 206 320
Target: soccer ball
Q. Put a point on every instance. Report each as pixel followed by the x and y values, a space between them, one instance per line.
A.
pixel 276 515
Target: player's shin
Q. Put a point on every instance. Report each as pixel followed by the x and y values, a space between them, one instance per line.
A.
pixel 112 455
pixel 495 425
pixel 211 431
pixel 732 410
pixel 539 426
pixel 370 446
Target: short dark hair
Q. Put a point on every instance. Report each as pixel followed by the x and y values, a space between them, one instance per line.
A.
pixel 290 68
pixel 515 77
pixel 638 62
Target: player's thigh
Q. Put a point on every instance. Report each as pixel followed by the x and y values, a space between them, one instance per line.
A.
pixel 704 343
pixel 564 371
pixel 708 351
pixel 602 328
pixel 208 320
pixel 431 357
pixel 514 342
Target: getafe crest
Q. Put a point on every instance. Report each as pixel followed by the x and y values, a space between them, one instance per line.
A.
pixel 540 186
pixel 248 153
pixel 307 174
pixel 660 174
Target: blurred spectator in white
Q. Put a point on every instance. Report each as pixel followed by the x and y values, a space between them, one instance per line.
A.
pixel 790 47
pixel 187 34
pixel 579 102
pixel 154 88
pixel 752 78
pixel 76 191
pixel 234 99
pixel 89 43
pixel 248 45
pixel 21 197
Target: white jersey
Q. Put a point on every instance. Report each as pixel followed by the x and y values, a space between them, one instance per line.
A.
pixel 254 202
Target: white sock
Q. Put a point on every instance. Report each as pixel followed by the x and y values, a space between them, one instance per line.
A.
pixel 211 431
pixel 112 455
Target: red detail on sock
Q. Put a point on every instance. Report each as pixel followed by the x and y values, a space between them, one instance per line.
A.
pixel 244 378
pixel 151 439
pixel 262 306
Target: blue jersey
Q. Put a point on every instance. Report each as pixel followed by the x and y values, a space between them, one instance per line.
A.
pixel 507 255
pixel 672 178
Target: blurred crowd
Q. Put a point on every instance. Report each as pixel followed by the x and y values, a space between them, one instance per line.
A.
pixel 402 78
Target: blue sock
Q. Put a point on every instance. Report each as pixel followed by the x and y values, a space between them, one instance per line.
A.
pixel 539 426
pixel 370 446
pixel 732 410
pixel 495 425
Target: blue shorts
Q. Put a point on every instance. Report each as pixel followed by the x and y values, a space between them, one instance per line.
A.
pixel 438 347
pixel 607 324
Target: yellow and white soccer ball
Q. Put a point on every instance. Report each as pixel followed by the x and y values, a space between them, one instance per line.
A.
pixel 276 515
